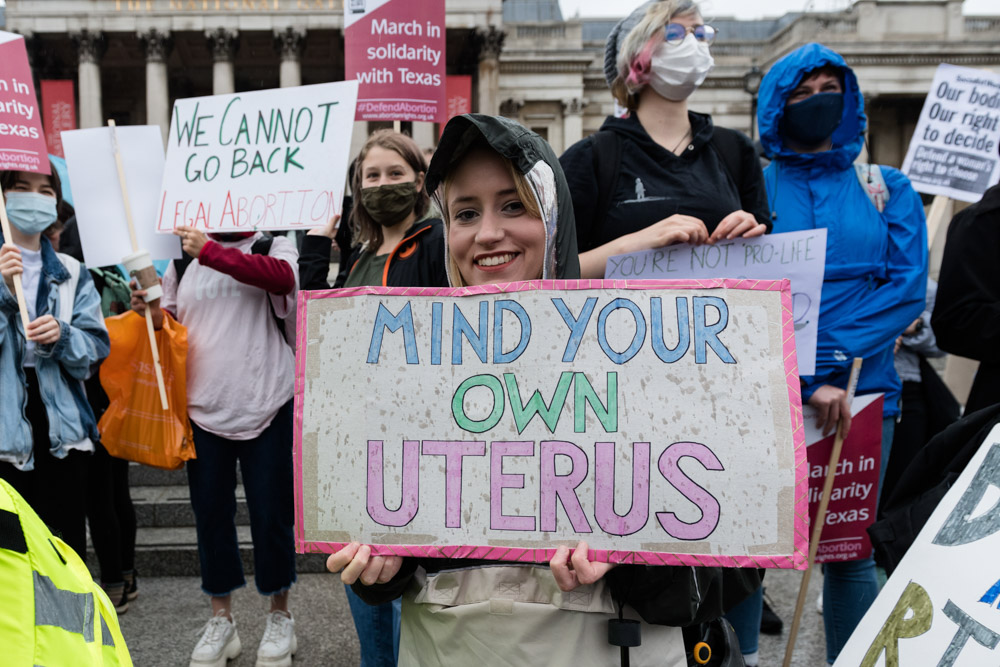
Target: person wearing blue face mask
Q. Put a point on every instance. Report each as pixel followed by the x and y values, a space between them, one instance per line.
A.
pixel 47 428
pixel 812 124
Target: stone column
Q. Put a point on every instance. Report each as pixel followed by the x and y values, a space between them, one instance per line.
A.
pixel 157 44
pixel 572 121
pixel 90 47
pixel 289 43
pixel 490 45
pixel 423 134
pixel 223 44
pixel 511 108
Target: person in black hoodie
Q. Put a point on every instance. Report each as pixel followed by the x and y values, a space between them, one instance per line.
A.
pixel 663 174
pixel 509 217
pixel 397 236
pixel 966 316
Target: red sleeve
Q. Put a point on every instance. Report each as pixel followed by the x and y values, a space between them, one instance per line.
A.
pixel 269 274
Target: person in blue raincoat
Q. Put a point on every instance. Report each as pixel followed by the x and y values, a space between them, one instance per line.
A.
pixel 812 123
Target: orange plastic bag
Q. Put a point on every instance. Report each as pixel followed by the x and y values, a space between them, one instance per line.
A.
pixel 135 427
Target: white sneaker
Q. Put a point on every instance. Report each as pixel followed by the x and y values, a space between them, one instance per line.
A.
pixel 219 643
pixel 819 604
pixel 278 644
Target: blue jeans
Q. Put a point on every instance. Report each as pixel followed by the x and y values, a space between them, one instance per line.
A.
pixel 850 587
pixel 745 618
pixel 378 630
pixel 266 464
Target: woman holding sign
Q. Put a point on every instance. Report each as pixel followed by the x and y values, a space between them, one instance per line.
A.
pixel 234 293
pixel 662 174
pixel 46 436
pixel 509 217
pixel 398 236
pixel 400 243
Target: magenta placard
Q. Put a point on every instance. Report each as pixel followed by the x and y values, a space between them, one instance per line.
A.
pixel 22 141
pixel 312 357
pixel 396 51
pixel 855 484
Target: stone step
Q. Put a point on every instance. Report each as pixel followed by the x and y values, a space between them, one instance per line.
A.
pixel 170 506
pixel 173 552
pixel 142 475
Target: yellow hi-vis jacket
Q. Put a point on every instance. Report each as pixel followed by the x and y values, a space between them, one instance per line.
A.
pixel 52 613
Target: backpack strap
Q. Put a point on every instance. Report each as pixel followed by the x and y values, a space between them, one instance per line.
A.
pixel 262 246
pixel 873 183
pixel 727 147
pixel 180 265
pixel 607 156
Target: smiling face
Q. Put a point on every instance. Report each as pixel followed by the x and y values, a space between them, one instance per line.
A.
pixel 491 236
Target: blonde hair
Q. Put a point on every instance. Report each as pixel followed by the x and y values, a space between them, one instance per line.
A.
pixel 521 186
pixel 635 54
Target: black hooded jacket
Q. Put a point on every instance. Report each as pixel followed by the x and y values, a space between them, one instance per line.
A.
pixel 653 183
pixel 664 595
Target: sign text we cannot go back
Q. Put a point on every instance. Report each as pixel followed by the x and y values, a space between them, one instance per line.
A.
pixel 658 421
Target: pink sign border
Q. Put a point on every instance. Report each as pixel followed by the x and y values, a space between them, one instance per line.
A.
pixel 796 560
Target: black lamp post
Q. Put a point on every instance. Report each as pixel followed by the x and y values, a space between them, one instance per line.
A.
pixel 751 84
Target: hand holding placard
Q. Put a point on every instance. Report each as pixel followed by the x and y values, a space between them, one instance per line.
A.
pixel 142 262
pixel 15 279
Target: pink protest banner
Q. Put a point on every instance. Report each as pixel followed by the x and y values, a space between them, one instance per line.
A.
pixel 59 112
pixel 855 487
pixel 458 96
pixel 658 420
pixel 396 51
pixel 22 142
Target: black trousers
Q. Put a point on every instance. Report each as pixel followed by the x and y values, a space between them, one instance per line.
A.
pixel 111 515
pixel 57 488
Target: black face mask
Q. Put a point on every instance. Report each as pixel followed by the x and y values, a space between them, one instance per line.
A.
pixel 813 120
pixel 388 205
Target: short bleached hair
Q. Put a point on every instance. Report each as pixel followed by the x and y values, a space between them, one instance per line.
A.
pixel 635 50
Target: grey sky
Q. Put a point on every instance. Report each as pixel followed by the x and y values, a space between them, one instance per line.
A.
pixel 743 8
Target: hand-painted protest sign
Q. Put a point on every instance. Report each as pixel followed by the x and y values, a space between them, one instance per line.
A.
pixel 58 112
pixel 954 147
pixel 940 606
pixel 798 256
pixel 855 486
pixel 100 208
pixel 502 421
pixel 270 159
pixel 396 51
pixel 22 142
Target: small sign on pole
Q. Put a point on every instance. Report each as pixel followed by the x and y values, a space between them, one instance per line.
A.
pixel 22 145
pixel 395 49
pixel 954 147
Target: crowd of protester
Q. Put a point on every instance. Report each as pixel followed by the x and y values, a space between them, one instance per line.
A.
pixel 495 205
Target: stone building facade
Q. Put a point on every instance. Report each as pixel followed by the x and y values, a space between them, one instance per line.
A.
pixel 131 58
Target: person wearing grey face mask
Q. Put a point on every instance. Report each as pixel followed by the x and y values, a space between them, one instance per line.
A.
pixel 661 174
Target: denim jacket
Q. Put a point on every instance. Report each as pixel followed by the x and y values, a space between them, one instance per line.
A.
pixel 61 367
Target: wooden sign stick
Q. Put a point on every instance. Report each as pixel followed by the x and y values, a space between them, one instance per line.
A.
pixel 135 248
pixel 824 503
pixel 939 208
pixel 22 305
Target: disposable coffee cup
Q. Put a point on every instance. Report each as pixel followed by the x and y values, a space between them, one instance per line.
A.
pixel 140 266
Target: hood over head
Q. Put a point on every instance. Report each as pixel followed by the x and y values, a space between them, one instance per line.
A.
pixel 783 77
pixel 531 156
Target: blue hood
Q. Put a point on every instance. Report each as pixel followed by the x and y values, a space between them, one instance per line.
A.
pixel 775 88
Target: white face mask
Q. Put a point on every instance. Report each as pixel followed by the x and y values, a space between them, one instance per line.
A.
pixel 677 69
